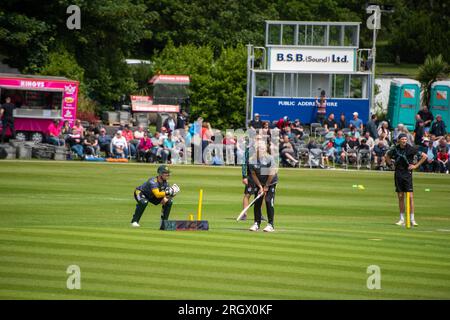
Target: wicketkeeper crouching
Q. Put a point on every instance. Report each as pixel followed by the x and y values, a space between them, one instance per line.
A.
pixel 156 190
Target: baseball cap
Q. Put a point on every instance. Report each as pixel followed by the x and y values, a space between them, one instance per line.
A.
pixel 256 114
pixel 355 113
pixel 119 132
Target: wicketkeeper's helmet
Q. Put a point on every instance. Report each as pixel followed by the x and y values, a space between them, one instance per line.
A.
pixel 163 169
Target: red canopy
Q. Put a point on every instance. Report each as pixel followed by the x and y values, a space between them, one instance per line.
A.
pixel 167 78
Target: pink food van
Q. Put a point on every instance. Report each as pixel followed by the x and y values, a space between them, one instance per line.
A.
pixel 38 101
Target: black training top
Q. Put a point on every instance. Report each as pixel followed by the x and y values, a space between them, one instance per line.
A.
pixel 403 157
pixel 8 110
pixel 261 167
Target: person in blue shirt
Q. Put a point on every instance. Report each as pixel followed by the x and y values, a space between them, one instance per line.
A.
pixel 356 122
pixel 157 191
pixel 168 146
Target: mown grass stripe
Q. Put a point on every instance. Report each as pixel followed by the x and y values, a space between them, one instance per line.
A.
pixel 203 253
pixel 313 242
pixel 309 279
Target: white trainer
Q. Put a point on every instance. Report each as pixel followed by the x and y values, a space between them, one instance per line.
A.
pixel 400 222
pixel 254 227
pixel 135 225
pixel 269 228
pixel 413 223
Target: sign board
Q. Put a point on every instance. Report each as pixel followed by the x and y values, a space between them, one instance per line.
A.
pixel 312 59
pixel 305 109
pixel 145 104
pixel 69 89
pixel 169 79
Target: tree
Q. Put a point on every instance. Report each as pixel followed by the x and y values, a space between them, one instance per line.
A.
pixel 434 68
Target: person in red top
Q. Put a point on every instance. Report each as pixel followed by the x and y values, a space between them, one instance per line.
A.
pixel 442 156
pixel 145 148
pixel 54 133
pixel 128 134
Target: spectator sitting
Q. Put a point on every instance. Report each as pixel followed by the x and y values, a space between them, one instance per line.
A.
pixel 78 128
pixel 74 141
pixel 90 143
pixel 427 117
pixel 397 131
pixel 139 133
pixel 382 137
pixel 256 123
pixel 365 156
pixel 430 164
pixel 168 148
pixel 443 156
pixel 342 122
pixel 170 124
pixel 369 140
pixel 379 154
pixel 283 122
pixel 132 143
pixel 312 144
pixel 338 144
pixel 354 131
pixel 287 151
pixel 54 133
pixel 349 145
pixel 119 145
pixel 383 128
pixel 66 129
pixel 438 127
pixel 297 129
pixel 104 141
pixel 356 122
pixel 144 152
pixel 329 151
pixel 330 123
pixel 157 142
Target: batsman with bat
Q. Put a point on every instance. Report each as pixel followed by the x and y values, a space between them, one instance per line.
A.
pixel 157 191
pixel 263 170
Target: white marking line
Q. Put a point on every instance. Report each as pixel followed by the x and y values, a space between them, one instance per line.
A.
pixel 443 230
pixel 375 239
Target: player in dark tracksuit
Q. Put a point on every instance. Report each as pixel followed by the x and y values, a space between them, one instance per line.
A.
pixel 403 155
pixel 264 173
pixel 156 191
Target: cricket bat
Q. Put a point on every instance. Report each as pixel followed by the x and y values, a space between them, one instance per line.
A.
pixel 249 205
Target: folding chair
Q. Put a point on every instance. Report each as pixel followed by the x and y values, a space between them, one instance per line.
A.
pixel 315 158
pixel 363 158
pixel 350 154
pixel 313 127
pixel 303 156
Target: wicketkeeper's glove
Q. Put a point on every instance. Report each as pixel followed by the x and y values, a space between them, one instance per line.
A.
pixel 175 189
pixel 169 191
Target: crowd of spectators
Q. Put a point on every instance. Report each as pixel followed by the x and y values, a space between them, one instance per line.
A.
pixel 332 142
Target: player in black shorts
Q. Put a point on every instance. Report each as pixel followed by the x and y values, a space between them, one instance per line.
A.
pixel 156 191
pixel 403 155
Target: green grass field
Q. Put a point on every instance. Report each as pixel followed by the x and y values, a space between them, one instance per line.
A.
pixel 57 214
